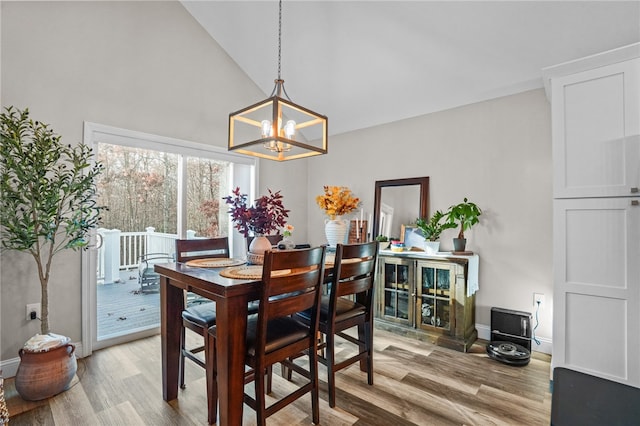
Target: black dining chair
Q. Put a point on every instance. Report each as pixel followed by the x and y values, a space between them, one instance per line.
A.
pixel 349 304
pixel 291 283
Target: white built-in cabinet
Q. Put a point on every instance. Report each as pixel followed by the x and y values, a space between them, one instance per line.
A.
pixel 595 107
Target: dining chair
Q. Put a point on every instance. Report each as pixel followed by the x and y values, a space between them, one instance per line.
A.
pixel 349 304
pixel 291 283
pixel 198 317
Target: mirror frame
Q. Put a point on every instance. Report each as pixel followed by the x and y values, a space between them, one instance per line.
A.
pixel 423 206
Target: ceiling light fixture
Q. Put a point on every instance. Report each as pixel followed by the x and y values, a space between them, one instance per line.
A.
pixel 276 128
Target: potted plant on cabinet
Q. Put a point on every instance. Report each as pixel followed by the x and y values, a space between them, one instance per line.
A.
pixel 47 205
pixel 383 241
pixel 464 215
pixel 432 228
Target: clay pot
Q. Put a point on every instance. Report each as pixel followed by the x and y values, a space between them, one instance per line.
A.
pixel 45 374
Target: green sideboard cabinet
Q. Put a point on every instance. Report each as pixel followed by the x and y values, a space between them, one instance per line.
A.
pixel 429 297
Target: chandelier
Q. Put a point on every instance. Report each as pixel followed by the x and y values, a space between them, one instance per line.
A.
pixel 276 128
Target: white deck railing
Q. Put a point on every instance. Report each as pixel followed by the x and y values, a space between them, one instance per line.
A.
pixel 122 250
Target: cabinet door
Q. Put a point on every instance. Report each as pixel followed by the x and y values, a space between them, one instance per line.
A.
pixel 396 283
pixel 596 128
pixel 596 325
pixel 435 282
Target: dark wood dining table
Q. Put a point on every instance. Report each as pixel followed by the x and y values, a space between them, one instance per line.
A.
pixel 231 297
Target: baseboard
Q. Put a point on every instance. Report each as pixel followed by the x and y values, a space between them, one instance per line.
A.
pixel 9 367
pixel 545 346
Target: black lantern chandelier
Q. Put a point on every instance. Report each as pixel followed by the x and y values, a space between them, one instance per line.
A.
pixel 276 128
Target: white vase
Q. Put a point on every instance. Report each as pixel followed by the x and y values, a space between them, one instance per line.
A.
pixel 259 245
pixel 431 247
pixel 335 230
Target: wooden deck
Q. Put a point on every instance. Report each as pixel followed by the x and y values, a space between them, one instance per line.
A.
pixel 123 308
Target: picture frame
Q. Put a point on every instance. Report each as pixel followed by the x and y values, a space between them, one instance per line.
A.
pixel 412 237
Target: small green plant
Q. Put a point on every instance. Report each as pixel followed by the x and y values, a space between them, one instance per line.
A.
pixel 464 215
pixel 382 238
pixel 432 228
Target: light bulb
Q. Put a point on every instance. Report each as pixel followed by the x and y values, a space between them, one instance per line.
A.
pixel 290 129
pixel 266 128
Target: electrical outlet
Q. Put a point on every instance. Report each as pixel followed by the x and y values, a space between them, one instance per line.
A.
pixel 538 297
pixel 33 307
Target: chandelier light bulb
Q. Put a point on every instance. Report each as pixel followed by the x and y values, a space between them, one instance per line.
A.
pixel 266 128
pixel 290 129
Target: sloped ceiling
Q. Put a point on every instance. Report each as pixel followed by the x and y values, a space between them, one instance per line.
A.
pixel 364 63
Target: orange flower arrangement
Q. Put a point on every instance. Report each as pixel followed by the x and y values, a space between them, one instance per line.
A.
pixel 337 201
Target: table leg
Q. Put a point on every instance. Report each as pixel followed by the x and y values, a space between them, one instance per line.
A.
pixel 231 326
pixel 171 306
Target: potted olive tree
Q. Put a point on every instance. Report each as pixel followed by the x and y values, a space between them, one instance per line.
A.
pixel 464 215
pixel 47 205
pixel 432 228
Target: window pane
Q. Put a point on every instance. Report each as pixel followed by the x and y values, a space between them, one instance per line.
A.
pixel 139 187
pixel 207 183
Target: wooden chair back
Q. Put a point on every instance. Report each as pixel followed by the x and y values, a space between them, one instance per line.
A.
pixel 354 274
pixel 201 248
pixel 291 283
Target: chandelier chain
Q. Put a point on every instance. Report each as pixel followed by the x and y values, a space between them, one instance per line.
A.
pixel 279 36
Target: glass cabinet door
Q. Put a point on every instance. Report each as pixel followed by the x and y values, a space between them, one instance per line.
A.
pixel 435 282
pixel 396 284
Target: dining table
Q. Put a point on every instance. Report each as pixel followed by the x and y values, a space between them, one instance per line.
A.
pixel 232 296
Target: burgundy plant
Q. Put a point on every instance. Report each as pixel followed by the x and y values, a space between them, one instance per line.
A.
pixel 265 216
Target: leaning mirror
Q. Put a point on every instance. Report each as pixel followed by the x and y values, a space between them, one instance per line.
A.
pixel 399 202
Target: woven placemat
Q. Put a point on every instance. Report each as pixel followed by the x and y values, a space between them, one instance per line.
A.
pixel 215 262
pixel 250 272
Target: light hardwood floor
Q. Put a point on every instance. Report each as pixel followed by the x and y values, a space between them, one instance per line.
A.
pixel 416 383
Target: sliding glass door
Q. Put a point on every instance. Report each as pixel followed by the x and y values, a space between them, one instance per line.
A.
pixel 156 190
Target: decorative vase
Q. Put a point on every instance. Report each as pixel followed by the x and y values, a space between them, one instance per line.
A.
pixel 258 246
pixel 335 230
pixel 431 247
pixel 45 374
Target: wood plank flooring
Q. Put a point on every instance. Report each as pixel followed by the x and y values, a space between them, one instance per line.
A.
pixel 416 383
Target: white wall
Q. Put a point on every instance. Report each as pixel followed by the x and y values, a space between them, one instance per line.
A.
pixel 496 153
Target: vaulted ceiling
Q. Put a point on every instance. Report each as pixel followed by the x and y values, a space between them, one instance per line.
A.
pixel 364 63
